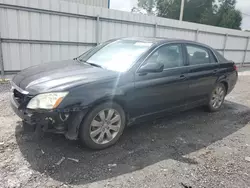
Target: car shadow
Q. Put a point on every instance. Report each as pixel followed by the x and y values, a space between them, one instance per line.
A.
pixel 141 145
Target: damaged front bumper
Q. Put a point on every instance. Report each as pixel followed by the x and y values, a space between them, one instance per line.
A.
pixel 51 121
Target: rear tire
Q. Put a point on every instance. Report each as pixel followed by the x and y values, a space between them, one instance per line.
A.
pixel 103 126
pixel 216 97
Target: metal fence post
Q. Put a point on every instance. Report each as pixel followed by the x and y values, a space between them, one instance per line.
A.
pixel 225 44
pixel 197 35
pixel 155 30
pixel 245 54
pixel 1 58
pixel 97 29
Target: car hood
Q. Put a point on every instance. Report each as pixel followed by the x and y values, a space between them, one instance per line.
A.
pixel 59 76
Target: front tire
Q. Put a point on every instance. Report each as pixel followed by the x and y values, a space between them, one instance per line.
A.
pixel 217 97
pixel 103 126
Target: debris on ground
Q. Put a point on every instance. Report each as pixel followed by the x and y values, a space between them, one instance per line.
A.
pixel 4 81
pixel 42 152
pixel 130 152
pixel 60 161
pixel 185 186
pixel 112 165
pixel 72 159
pixel 247 159
pixel 142 163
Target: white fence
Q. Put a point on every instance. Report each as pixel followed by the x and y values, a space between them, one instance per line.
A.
pixel 38 31
pixel 98 3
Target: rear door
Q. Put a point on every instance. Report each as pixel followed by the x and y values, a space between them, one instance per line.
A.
pixel 203 70
pixel 163 91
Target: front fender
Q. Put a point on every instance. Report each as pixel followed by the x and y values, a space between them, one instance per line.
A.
pixel 89 96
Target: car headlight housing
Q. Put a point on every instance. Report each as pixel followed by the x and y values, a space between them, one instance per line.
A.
pixel 46 100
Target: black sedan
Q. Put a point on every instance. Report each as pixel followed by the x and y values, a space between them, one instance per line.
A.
pixel 122 81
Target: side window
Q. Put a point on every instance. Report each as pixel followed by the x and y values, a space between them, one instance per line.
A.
pixel 197 55
pixel 169 55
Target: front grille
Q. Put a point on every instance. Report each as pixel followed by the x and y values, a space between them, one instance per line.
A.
pixel 21 98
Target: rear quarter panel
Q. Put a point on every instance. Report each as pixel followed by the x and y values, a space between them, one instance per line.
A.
pixel 228 74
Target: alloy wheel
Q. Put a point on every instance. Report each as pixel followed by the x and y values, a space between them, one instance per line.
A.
pixel 217 97
pixel 105 126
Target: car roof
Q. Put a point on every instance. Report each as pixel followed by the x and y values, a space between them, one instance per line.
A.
pixel 160 40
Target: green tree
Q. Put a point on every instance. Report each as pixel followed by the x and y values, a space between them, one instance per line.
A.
pixel 193 9
pixel 223 14
pixel 209 16
pixel 228 16
pixel 168 8
pixel 147 5
pixel 231 19
pixel 220 13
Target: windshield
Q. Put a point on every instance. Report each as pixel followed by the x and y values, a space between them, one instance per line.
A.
pixel 119 55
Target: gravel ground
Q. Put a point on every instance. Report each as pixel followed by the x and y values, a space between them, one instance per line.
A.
pixel 189 149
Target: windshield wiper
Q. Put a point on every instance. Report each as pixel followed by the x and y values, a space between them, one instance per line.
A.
pixel 77 59
pixel 92 64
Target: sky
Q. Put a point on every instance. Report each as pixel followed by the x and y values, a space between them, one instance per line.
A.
pixel 242 5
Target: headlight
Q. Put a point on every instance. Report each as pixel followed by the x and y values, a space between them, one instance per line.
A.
pixel 46 100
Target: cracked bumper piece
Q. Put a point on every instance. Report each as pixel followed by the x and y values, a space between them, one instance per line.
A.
pixel 28 116
pixel 50 120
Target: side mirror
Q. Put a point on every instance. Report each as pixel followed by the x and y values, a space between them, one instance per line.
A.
pixel 151 67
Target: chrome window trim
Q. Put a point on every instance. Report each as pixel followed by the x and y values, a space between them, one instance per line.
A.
pixel 14 86
pixel 215 63
pixel 186 66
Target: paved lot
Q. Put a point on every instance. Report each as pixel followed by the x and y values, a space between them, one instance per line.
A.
pixel 195 148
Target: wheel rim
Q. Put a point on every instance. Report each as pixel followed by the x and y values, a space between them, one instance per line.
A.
pixel 217 97
pixel 105 126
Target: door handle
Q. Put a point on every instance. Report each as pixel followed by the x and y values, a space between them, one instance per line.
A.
pixel 215 71
pixel 142 74
pixel 182 77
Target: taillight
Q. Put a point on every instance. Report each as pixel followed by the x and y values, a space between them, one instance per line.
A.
pixel 235 68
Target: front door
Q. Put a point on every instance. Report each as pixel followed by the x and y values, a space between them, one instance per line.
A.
pixel 164 91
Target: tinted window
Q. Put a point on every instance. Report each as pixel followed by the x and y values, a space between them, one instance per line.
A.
pixel 213 58
pixel 220 57
pixel 169 55
pixel 197 55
